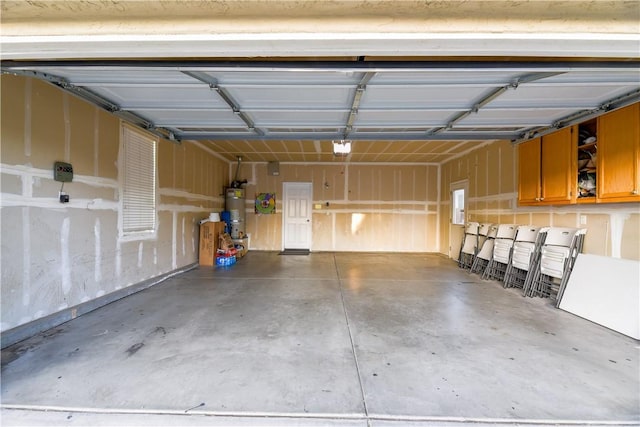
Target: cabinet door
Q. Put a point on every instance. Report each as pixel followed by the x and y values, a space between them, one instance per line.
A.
pixel 559 167
pixel 619 155
pixel 529 172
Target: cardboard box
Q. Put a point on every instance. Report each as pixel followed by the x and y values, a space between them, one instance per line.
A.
pixel 209 232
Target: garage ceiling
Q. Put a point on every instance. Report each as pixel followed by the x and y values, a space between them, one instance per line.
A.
pixel 406 81
pixel 291 111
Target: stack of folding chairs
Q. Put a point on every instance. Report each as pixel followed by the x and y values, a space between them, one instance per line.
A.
pixel 469 246
pixel 557 257
pixel 489 231
pixel 502 245
pixel 524 256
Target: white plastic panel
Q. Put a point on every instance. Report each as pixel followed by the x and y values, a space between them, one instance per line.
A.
pixel 267 77
pixel 396 118
pixel 161 97
pixel 592 294
pixel 487 250
pixel 472 228
pixel 420 96
pixel 595 77
pixel 501 250
pixel 94 75
pixel 493 231
pixel 294 119
pixel 526 233
pixel 292 97
pixel 191 118
pixel 470 244
pixel 483 230
pixel 514 117
pixel 521 255
pixel 575 97
pixel 506 231
pixel 552 260
pixel 559 236
pixel 469 77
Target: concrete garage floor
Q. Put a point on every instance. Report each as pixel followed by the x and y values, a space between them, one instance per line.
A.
pixel 326 339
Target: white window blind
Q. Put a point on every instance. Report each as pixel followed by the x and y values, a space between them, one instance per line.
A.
pixel 138 183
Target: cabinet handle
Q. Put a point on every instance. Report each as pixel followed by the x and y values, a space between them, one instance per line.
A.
pixel 541 198
pixel 634 192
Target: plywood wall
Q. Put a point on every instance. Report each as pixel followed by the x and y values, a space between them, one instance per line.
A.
pixel 356 207
pixel 57 256
pixel 491 172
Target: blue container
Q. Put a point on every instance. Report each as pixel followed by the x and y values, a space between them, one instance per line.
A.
pixel 225 261
pixel 226 217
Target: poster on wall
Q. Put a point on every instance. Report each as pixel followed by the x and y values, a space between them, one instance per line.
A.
pixel 266 203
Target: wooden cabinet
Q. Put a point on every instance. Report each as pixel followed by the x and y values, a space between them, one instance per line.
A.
pixel 554 169
pixel 618 161
pixel 547 169
pixel 529 172
pixel 558 167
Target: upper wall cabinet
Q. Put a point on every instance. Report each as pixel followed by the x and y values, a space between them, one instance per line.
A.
pixel 558 167
pixel 529 172
pixel 597 161
pixel 547 169
pixel 618 160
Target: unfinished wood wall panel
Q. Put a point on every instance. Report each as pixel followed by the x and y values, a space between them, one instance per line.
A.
pixel 265 231
pixel 597 243
pixel 10 184
pixel 14 110
pixel 507 175
pixel 108 145
pixel 493 170
pixel 631 231
pixel 431 183
pixel 165 165
pixel 81 135
pixel 494 200
pixel 47 125
pixel 377 200
pixel 57 257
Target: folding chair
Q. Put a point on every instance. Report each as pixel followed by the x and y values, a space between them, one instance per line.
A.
pixel 469 245
pixel 557 256
pixel 577 248
pixel 526 246
pixel 486 249
pixel 483 231
pixel 501 252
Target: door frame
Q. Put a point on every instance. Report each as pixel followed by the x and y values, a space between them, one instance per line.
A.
pixel 285 186
pixel 457 185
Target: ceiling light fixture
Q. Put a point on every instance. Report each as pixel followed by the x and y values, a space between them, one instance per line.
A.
pixel 342 147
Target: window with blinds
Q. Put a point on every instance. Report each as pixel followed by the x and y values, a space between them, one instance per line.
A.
pixel 138 189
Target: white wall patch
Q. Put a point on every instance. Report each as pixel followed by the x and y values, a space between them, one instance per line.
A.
pixel 26 257
pixel 97 260
pixel 65 265
pixel 140 252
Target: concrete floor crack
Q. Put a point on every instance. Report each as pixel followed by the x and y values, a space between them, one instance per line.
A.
pixel 353 348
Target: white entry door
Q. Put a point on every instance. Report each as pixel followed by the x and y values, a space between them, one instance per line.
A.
pixel 297 215
pixel 457 216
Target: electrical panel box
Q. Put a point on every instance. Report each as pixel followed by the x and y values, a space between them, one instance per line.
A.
pixel 62 172
pixel 273 168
